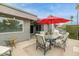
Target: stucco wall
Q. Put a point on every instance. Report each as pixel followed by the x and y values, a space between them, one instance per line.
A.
pixel 20 36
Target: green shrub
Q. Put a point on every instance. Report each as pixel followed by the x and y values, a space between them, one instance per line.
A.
pixel 73 31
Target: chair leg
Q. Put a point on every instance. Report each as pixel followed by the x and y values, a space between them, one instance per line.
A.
pixel 36 47
pixel 64 49
pixel 64 46
pixel 36 44
pixel 44 51
pixel 50 47
pixel 14 45
pixel 54 45
pixel 10 53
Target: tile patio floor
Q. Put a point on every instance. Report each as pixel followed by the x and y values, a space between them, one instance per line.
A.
pixel 27 48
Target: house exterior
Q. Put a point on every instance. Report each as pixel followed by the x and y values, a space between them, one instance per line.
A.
pixel 7 11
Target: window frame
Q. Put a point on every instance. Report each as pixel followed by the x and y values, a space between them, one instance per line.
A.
pixel 14 31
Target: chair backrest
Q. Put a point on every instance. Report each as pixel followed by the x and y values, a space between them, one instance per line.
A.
pixel 40 39
pixel 65 36
pixel 13 41
pixel 42 32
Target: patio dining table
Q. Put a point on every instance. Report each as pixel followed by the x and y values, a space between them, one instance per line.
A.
pixel 52 37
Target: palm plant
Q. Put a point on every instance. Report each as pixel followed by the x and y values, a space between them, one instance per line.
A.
pixel 71 17
pixel 77 8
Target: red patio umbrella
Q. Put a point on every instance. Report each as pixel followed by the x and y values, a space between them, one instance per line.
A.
pixel 52 20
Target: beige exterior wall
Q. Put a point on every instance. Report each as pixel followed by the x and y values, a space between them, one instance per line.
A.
pixel 20 36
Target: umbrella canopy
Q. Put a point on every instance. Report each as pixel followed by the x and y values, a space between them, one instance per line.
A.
pixel 52 20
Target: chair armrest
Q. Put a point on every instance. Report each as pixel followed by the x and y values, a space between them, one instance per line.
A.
pixel 60 37
pixel 47 40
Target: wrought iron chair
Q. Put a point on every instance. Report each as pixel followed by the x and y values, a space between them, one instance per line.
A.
pixel 42 43
pixel 61 41
pixel 11 42
pixel 42 32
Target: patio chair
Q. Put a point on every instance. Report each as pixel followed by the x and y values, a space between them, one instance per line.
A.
pixel 42 32
pixel 61 41
pixel 40 42
pixel 11 42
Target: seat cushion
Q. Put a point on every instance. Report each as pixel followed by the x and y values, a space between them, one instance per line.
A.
pixel 59 41
pixel 62 32
pixel 47 44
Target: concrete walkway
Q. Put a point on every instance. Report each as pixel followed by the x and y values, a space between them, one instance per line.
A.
pixel 18 51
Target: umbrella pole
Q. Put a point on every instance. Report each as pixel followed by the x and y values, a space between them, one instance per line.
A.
pixel 48 31
pixel 48 28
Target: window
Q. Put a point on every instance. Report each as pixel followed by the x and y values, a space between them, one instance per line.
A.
pixel 10 24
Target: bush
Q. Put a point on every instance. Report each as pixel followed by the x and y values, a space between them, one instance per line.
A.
pixel 73 31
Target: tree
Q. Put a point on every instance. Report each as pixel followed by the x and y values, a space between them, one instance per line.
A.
pixel 77 8
pixel 71 17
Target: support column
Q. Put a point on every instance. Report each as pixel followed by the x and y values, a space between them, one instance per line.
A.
pixel 34 29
